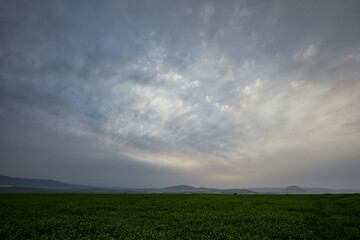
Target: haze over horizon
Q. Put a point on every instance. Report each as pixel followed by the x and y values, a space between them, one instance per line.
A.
pixel 159 93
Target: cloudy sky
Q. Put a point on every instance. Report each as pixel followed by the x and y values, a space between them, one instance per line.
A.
pixel 158 93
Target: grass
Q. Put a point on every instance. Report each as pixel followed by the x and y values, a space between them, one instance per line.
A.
pixel 179 216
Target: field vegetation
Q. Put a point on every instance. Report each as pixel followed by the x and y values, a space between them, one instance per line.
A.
pixel 179 216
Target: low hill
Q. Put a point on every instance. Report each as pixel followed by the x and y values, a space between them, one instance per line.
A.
pixel 294 190
pixel 179 188
pixel 191 189
pixel 34 183
pixel 29 185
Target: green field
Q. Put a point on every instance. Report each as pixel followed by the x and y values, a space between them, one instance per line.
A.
pixel 170 216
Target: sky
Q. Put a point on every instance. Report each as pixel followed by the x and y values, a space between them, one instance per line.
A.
pixel 159 93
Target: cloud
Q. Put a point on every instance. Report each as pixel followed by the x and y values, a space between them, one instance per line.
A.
pixel 207 11
pixel 309 54
pixel 198 93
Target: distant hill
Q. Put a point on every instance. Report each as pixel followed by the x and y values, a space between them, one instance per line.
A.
pixel 34 183
pixel 29 185
pixel 294 190
pixel 191 189
pixel 327 190
pixel 179 188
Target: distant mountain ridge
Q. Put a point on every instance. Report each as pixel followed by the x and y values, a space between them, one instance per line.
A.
pixel 35 183
pixel 29 185
pixel 179 187
pixel 294 190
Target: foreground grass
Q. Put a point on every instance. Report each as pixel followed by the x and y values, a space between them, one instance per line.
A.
pixel 150 216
